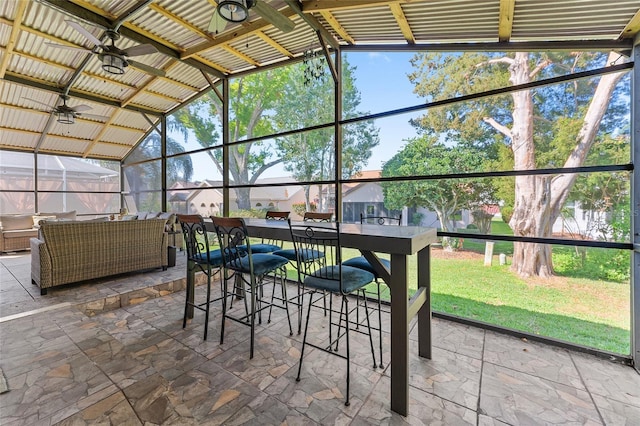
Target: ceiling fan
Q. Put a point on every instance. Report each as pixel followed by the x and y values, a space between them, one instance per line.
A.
pixel 238 11
pixel 114 60
pixel 67 115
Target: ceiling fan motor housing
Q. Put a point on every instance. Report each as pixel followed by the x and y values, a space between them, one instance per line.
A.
pixel 235 10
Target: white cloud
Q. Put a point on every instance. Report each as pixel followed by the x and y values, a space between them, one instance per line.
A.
pixel 379 55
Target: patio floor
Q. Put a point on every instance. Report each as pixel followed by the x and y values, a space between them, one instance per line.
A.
pixel 115 352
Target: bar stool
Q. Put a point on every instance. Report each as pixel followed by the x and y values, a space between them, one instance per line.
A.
pixel 199 258
pixel 240 261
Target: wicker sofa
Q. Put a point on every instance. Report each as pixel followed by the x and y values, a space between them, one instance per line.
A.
pixel 69 252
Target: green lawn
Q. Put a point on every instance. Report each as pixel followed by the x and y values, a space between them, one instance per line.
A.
pixel 572 307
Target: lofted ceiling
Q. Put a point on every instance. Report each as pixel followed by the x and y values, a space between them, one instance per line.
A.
pixel 191 58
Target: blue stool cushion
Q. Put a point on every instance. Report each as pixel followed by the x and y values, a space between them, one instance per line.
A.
pixel 261 248
pixel 262 263
pixel 352 279
pixel 307 255
pixel 215 258
pixel 362 263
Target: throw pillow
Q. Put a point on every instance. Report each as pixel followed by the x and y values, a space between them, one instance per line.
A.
pixel 39 218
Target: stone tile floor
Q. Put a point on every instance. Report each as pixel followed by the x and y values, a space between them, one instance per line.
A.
pixel 115 352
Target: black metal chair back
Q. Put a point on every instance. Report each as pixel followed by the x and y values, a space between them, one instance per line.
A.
pixel 276 215
pixel 196 240
pixel 234 241
pixel 317 217
pixel 311 240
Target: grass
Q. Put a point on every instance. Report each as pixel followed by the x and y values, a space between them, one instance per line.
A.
pixel 572 307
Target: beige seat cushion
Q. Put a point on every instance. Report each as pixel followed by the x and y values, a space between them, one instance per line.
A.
pixel 71 215
pixel 20 233
pixel 16 222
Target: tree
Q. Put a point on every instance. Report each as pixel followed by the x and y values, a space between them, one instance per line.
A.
pixel 310 155
pixel 529 122
pixel 148 175
pixel 250 98
pixel 275 100
pixel 425 156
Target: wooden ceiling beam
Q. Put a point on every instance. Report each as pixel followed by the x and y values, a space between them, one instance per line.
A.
pixel 146 85
pixel 36 132
pixel 632 28
pixel 339 29
pixel 29 110
pixel 47 86
pixel 315 25
pixel 505 21
pixel 401 19
pixel 100 134
pixel 79 118
pixel 240 55
pixel 333 5
pixel 271 42
pixel 222 70
pixel 246 28
pixel 13 37
pixel 170 15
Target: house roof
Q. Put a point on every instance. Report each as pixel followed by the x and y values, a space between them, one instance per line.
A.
pixel 192 57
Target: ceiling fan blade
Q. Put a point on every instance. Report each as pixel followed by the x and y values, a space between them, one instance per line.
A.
pixel 63 46
pixel 79 28
pixel 38 102
pixel 80 108
pixel 94 116
pixel 142 49
pixel 217 23
pixel 272 15
pixel 146 68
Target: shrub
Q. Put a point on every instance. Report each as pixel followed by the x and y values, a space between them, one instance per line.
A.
pixel 593 263
pixel 506 212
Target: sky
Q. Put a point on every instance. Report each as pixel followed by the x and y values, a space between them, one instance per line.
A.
pixel 382 81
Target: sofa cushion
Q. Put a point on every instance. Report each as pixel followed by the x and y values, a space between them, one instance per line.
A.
pixel 20 233
pixel 71 215
pixel 171 221
pixel 129 217
pixel 39 218
pixel 16 222
pixel 98 219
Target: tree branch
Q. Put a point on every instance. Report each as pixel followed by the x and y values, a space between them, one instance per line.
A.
pixel 499 127
pixel 542 65
pixel 262 168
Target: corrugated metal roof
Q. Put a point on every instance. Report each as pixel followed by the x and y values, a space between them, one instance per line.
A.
pixel 31 68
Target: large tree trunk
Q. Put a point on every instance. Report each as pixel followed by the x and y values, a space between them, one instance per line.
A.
pixel 539 199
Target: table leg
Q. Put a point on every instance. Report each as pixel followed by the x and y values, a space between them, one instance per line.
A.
pixel 191 280
pixel 399 287
pixel 424 313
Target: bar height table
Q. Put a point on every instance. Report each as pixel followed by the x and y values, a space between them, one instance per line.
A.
pixel 399 242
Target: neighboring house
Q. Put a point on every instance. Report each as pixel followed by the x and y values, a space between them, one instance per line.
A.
pixel 207 200
pixel 575 222
pixel 366 198
pixel 358 197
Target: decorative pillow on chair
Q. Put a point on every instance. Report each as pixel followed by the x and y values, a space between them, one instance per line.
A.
pixel 71 215
pixel 39 218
